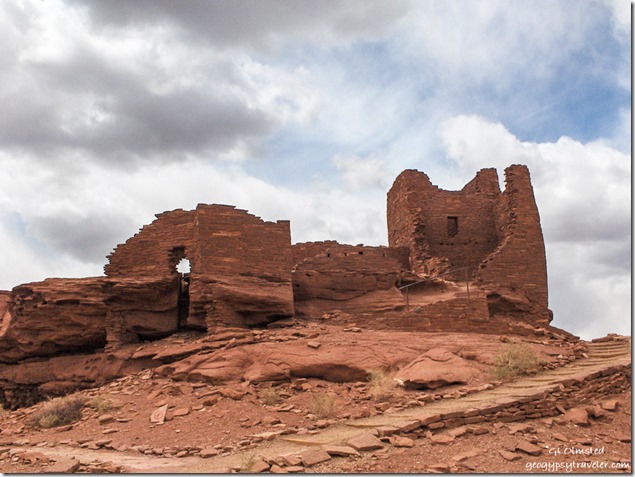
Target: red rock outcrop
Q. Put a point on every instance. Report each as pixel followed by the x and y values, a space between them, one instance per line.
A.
pixel 435 368
pixel 337 358
pixel 60 316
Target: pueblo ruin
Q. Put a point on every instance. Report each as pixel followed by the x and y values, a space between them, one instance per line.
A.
pixel 471 261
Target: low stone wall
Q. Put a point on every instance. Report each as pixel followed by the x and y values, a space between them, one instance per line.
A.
pixel 547 403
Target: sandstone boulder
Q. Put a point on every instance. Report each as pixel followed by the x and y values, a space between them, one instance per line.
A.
pixel 435 368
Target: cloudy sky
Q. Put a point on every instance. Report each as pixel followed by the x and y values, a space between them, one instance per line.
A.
pixel 115 110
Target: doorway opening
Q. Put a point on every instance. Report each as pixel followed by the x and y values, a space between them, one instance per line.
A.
pixel 183 307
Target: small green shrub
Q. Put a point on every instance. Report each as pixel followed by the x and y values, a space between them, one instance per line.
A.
pixel 515 359
pixel 271 396
pixel 322 405
pixel 382 387
pixel 58 412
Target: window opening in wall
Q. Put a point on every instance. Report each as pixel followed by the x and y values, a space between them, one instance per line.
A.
pixel 183 266
pixel 361 253
pixel 453 226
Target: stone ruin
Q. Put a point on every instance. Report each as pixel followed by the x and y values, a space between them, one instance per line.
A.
pixel 470 260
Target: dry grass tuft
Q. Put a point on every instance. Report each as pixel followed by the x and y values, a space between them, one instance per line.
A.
pixel 247 462
pixel 382 386
pixel 58 412
pixel 515 359
pixel 102 404
pixel 271 396
pixel 322 405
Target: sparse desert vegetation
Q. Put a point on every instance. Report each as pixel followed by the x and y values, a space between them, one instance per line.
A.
pixel 322 405
pixel 382 386
pixel 515 359
pixel 59 412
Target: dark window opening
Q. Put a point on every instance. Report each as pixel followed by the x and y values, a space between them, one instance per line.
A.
pixel 453 226
pixel 361 253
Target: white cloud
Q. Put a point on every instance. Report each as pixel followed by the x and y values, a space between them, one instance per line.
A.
pixel 361 172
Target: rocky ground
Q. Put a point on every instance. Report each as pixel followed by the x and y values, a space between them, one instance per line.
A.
pixel 200 426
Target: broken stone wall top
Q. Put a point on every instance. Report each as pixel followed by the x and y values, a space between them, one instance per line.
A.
pixel 214 238
pixel 432 222
pixel 478 231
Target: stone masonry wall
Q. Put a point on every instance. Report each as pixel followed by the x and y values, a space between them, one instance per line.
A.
pixel 154 250
pixel 244 268
pixel 379 256
pixel 496 236
pixel 437 225
pixel 518 263
pixel 240 265
pixel 364 277
pixel 546 403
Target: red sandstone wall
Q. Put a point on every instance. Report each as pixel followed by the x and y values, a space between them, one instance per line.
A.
pixel 305 250
pixel 418 215
pixel 240 265
pixel 243 272
pixel 379 256
pixel 363 277
pixel 519 263
pixel 150 252
pixel 499 236
pixel 230 241
pixel 406 198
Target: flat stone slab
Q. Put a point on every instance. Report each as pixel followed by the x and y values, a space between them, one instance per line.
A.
pixel 464 456
pixel 258 467
pixel 443 439
pixel 294 469
pixel 386 430
pixel 400 441
pixel 610 405
pixel 528 448
pixel 510 456
pixel 340 451
pixel 365 442
pixel 315 457
pixel 578 416
pixel 63 466
pixel 207 453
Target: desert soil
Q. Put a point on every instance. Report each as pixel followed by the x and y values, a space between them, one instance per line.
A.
pixel 227 428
